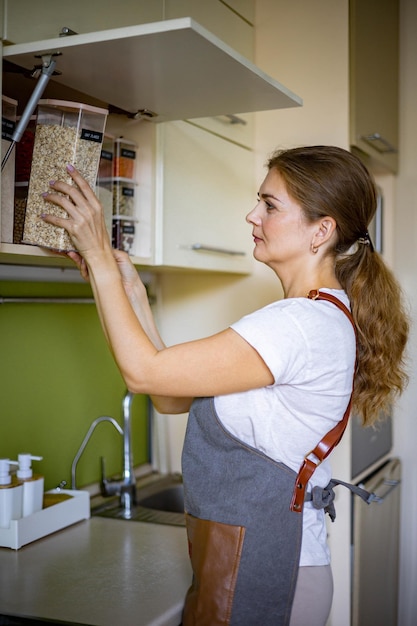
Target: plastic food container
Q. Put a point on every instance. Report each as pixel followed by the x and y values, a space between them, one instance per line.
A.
pixel 124 234
pixel 66 132
pixel 20 199
pixel 24 152
pixel 8 126
pixel 124 158
pixel 105 167
pixel 104 185
pixel 123 197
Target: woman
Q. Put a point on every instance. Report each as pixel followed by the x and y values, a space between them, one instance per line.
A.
pixel 263 393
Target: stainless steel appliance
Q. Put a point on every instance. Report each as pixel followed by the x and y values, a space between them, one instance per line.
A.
pixel 375 543
pixel 369 444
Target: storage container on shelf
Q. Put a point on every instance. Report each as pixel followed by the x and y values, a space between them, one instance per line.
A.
pixel 124 163
pixel 123 233
pixel 123 197
pixel 24 151
pixel 8 125
pixel 104 184
pixel 66 132
pixel 20 199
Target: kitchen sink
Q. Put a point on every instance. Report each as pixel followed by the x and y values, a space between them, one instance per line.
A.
pixel 159 500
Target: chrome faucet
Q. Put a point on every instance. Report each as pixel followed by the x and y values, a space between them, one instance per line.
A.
pixel 126 486
pixel 94 424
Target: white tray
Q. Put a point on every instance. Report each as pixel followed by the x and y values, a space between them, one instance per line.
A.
pixel 48 520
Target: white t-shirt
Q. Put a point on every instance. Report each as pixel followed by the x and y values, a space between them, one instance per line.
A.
pixel 309 347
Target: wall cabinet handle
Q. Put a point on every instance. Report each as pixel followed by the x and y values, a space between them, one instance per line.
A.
pixel 235 119
pixel 377 141
pixel 200 247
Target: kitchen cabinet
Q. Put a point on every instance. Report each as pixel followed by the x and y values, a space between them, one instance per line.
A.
pixel 232 22
pixel 206 190
pixel 194 189
pixel 374 94
pixel 78 15
pixel 245 8
pixel 149 74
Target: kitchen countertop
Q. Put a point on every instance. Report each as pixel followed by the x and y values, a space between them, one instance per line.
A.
pixel 99 572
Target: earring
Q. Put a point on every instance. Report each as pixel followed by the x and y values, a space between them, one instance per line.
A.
pixel 314 249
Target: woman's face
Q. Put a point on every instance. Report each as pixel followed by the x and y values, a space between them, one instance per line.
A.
pixel 279 228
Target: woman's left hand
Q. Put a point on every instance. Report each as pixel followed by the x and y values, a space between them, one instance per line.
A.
pixel 85 223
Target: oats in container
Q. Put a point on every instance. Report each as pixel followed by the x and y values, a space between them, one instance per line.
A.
pixel 66 132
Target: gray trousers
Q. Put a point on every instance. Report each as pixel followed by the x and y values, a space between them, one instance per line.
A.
pixel 313 596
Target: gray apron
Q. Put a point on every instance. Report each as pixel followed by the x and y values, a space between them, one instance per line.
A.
pixel 244 540
pixel 244 520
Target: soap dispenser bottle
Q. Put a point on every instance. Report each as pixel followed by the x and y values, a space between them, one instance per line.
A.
pixel 32 484
pixel 11 494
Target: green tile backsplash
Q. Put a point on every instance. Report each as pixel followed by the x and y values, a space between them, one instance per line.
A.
pixel 56 376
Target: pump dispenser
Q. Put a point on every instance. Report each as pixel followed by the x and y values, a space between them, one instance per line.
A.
pixel 32 484
pixel 11 494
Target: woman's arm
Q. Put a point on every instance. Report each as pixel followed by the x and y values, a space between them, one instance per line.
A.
pixel 138 298
pixel 221 364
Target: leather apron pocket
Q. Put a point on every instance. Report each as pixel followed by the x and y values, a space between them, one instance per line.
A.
pixel 215 551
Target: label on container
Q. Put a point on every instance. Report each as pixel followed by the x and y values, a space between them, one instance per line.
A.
pixel 7 128
pixel 107 155
pixel 128 154
pixel 91 135
pixel 128 191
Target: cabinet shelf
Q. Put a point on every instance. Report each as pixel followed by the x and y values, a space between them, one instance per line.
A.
pixel 21 254
pixel 175 68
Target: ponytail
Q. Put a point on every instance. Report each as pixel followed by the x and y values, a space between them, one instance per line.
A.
pixel 382 331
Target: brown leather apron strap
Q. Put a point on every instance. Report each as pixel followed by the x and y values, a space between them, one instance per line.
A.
pixel 313 459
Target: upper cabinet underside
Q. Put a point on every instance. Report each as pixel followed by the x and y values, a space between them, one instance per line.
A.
pixel 175 69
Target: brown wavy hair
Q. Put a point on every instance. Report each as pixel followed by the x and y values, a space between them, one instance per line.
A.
pixel 330 181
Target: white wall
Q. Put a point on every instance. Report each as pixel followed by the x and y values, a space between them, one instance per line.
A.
pixel 405 260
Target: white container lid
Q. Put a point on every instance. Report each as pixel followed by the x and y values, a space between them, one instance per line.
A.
pixel 66 104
